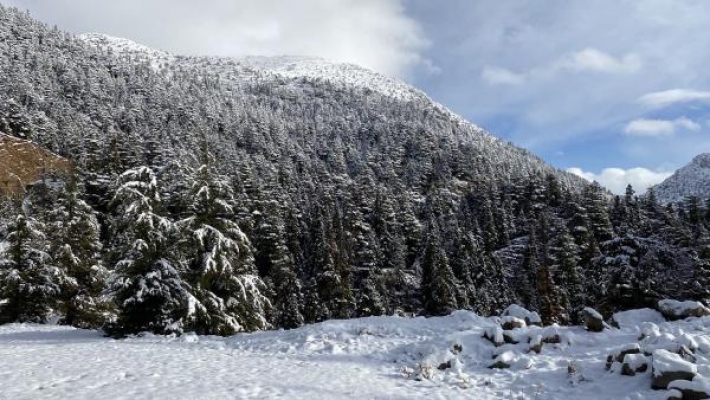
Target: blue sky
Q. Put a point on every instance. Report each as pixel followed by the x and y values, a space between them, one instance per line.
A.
pixel 621 84
pixel 619 91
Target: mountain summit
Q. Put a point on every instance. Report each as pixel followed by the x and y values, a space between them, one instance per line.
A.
pixel 690 180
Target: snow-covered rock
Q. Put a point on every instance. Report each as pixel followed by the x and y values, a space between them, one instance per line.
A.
pixel 620 354
pixel 593 321
pixel 495 335
pixel 669 367
pixel 633 364
pixel 674 309
pixel 697 389
pixel 625 319
pixel 509 322
pixel 530 317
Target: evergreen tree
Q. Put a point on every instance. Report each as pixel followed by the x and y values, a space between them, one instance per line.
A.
pixel 30 285
pixel 76 249
pixel 529 274
pixel 333 287
pixel 438 287
pixel 219 263
pixel 569 273
pixel 466 265
pixel 275 260
pixel 146 284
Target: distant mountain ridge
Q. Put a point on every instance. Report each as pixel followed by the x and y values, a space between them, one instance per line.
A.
pixel 690 180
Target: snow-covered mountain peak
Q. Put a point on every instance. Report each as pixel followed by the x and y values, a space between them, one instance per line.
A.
pixel 291 67
pixel 702 161
pixel 119 45
pixel 690 180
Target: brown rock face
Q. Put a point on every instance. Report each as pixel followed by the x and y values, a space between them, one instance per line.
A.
pixel 23 162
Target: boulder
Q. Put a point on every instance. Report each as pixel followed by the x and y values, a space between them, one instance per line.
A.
pixel 674 394
pixel 551 335
pixel 620 354
pixel 669 367
pixel 511 338
pixel 633 364
pixel 444 365
pixel 633 318
pixel 593 321
pixel 697 389
pixel 509 323
pixel 503 360
pixel 530 317
pixel 535 344
pixel 494 334
pixel 674 310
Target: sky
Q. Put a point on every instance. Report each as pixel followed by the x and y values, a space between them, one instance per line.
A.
pixel 617 92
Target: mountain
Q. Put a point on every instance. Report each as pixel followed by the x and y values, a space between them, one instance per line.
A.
pixel 690 180
pixel 261 192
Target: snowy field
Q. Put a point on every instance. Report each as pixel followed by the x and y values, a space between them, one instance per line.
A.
pixel 370 358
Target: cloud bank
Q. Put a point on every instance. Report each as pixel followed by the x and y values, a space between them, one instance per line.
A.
pixel 376 34
pixel 616 179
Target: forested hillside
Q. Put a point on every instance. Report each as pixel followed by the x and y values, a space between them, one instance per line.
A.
pixel 222 195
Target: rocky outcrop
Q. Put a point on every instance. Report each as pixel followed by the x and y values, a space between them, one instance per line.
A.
pixel 669 367
pixel 23 162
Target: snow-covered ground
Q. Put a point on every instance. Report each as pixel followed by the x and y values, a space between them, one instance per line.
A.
pixel 370 358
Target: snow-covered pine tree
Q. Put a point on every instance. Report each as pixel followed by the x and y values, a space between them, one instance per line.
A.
pixel 227 293
pixel 76 249
pixel 30 285
pixel 437 285
pixel 568 272
pixel 528 274
pixel 595 203
pixel 276 262
pixel 465 264
pixel 333 288
pixel 146 284
pixel 621 277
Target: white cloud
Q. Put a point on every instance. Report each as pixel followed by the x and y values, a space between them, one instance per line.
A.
pixel 501 76
pixel 595 60
pixel 659 127
pixel 616 179
pixel 376 34
pixel 587 60
pixel 673 96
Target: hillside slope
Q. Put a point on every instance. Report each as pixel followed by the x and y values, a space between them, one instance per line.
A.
pixel 690 180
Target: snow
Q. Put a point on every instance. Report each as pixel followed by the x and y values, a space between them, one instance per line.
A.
pixel 637 317
pixel 373 358
pixel 664 361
